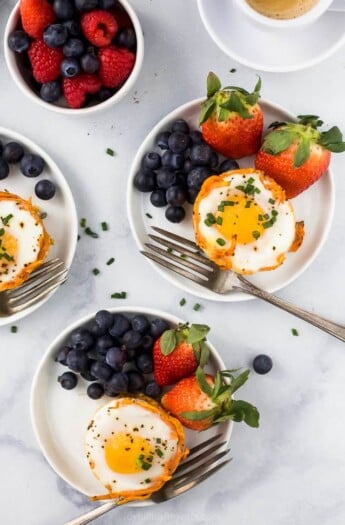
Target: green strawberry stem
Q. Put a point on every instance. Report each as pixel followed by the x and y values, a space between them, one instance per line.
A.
pixel 194 335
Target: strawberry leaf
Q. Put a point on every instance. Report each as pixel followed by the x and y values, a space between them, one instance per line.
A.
pixel 236 88
pixel 238 381
pixel 332 140
pixel 202 382
pixel 197 333
pixel 277 141
pixel 223 114
pixel 236 104
pixel 336 148
pixel 198 415
pixel 168 342
pixel 204 354
pixel 206 110
pixel 213 84
pixel 243 411
pixel 197 351
pixel 310 120
pixel 276 124
pixel 302 153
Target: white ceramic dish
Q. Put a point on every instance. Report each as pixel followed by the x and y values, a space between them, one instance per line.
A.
pixel 314 206
pixel 60 417
pixel 22 78
pixel 266 50
pixel 61 221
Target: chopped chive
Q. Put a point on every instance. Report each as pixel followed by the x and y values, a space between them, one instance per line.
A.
pixel 240 187
pixel 219 221
pixel 159 452
pixel 78 238
pixel 91 233
pixel 110 261
pixel 294 331
pixel 183 301
pixel 6 220
pixel 44 215
pixel 119 295
pixel 105 226
pixel 221 207
pixel 208 223
pixel 256 234
pixel 267 224
pixel 147 480
pixel 83 222
pixel 148 215
pixel 220 241
pixel 110 152
pixel 228 203
pixel 169 250
pixel 271 201
pixel 96 271
pixel 196 307
pixel 260 218
pixel 248 204
pixel 250 180
pixel 257 190
pixel 183 256
pixel 14 329
pixel 2 232
pixel 233 70
pixel 146 466
pixel 274 213
pixel 266 216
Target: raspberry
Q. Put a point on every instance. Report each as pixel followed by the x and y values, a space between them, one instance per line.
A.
pixel 76 89
pixel 36 15
pixel 99 27
pixel 115 65
pixel 45 61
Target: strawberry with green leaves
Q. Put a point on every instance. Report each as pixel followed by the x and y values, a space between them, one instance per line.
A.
pixel 231 119
pixel 297 154
pixel 201 400
pixel 178 353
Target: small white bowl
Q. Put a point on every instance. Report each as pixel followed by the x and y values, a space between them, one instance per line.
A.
pixel 19 73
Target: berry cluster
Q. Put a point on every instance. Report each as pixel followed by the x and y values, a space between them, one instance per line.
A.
pixel 76 48
pixel 30 164
pixel 114 353
pixel 175 176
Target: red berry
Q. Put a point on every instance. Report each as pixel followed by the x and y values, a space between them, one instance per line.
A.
pixel 45 61
pixel 116 65
pixel 99 27
pixel 36 15
pixel 76 89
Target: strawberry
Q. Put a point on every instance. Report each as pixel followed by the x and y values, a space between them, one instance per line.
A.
pixel 202 400
pixel 76 89
pixel 45 61
pixel 231 119
pixel 296 154
pixel 36 15
pixel 177 353
pixel 99 27
pixel 116 65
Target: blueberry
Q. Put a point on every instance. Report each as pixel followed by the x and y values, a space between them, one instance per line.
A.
pixel 172 160
pixel 74 47
pixel 157 198
pixel 104 320
pixel 178 142
pixel 166 159
pixel 81 339
pixel 101 370
pixel 106 4
pixel 51 91
pixel 214 160
pixel 152 160
pixel 64 9
pixel 145 180
pixel 166 178
pixel 187 166
pixel 197 176
pixel 18 41
pixel 86 5
pixel 176 195
pixel 95 390
pixel 200 155
pixel 135 381
pixel 196 137
pixel 12 152
pixel 117 383
pixel 262 364
pixel 103 343
pixel 77 360
pixel 68 380
pixel 90 64
pixel 140 323
pixel 62 355
pixel 126 38
pixel 162 139
pixel 95 329
pixel 180 125
pixel 45 189
pixel 228 165
pixel 144 363
pixel 55 35
pixel 31 165
pixel 192 194
pixel 116 358
pixel 104 93
pixel 120 325
pixel 86 374
pixel 152 389
pixel 73 27
pixel 175 213
pixel 181 179
pixel 147 343
pixel 70 67
pixel 132 339
pixel 1 147
pixel 5 169
pixel 158 326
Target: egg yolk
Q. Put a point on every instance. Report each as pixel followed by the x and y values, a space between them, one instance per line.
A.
pixel 127 453
pixel 8 250
pixel 240 219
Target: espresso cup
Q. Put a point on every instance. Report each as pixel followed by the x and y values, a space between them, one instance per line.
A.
pixel 270 22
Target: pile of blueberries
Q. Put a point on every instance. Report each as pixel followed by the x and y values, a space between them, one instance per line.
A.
pixel 176 175
pixel 114 353
pixel 30 164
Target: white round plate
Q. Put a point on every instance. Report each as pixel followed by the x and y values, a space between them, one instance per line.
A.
pixel 318 197
pixel 60 417
pixel 270 50
pixel 61 221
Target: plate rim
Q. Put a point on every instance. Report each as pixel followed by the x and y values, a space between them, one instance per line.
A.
pixel 225 298
pixel 36 396
pixel 63 185
pixel 271 69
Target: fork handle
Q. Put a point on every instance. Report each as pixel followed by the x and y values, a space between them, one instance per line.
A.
pixel 326 325
pixel 93 514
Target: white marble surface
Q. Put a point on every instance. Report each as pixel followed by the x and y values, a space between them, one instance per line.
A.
pixel 292 470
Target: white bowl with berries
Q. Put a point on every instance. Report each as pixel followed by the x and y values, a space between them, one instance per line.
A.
pixel 74 56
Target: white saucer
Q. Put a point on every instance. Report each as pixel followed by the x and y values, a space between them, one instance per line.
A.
pixel 266 50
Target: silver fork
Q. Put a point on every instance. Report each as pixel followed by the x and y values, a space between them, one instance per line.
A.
pixel 189 262
pixel 41 282
pixel 204 455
